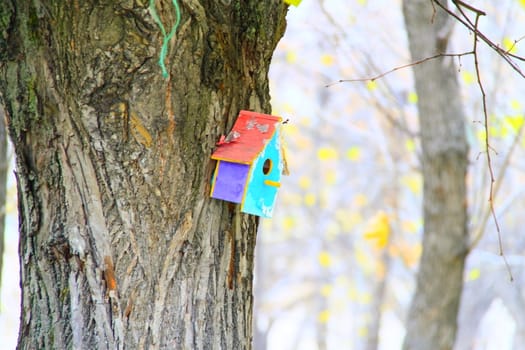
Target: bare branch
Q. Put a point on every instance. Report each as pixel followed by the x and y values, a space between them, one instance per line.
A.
pixel 487 143
pixel 467 22
pixel 402 67
pixel 469 7
pixel 513 46
pixel 478 234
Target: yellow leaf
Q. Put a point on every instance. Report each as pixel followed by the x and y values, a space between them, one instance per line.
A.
pixel 291 57
pixel 515 121
pixel 413 182
pixel 378 230
pixel 515 104
pixel 468 77
pixel 327 153
pixel 354 153
pixel 498 130
pixel 522 3
pixel 310 199
pixel 371 85
pixel 481 135
pixel 323 316
pixel 293 2
pixel 504 131
pixel 325 259
pixel 473 274
pixel 288 223
pixel 327 60
pixel 305 182
pixel 412 97
pixel 410 145
pixel 509 45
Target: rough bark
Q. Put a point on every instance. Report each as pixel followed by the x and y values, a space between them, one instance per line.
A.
pixel 432 318
pixel 120 245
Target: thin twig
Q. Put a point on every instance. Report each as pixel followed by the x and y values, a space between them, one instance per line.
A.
pixel 469 7
pixel 497 185
pixel 468 23
pixel 487 145
pixel 514 45
pixel 374 78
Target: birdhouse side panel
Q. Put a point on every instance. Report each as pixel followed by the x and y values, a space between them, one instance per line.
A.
pixel 229 181
pixel 264 180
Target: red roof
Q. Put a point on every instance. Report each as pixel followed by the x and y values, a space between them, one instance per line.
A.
pixel 247 138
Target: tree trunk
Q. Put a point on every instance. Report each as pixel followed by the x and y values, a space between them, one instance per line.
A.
pixel 432 318
pixel 120 245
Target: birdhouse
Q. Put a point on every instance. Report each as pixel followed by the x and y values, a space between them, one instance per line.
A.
pixel 250 163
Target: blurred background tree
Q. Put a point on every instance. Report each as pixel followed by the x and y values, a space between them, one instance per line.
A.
pixel 336 266
pixel 431 320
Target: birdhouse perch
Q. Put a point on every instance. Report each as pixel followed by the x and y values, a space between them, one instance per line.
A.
pixel 250 163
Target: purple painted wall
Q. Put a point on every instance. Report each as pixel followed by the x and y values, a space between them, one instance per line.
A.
pixel 230 181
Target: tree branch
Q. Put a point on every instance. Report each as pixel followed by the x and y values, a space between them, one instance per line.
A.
pixel 478 234
pixel 467 22
pixel 505 54
pixel 401 67
pixel 469 7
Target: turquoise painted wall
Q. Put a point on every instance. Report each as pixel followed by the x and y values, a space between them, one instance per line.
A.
pixel 260 197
